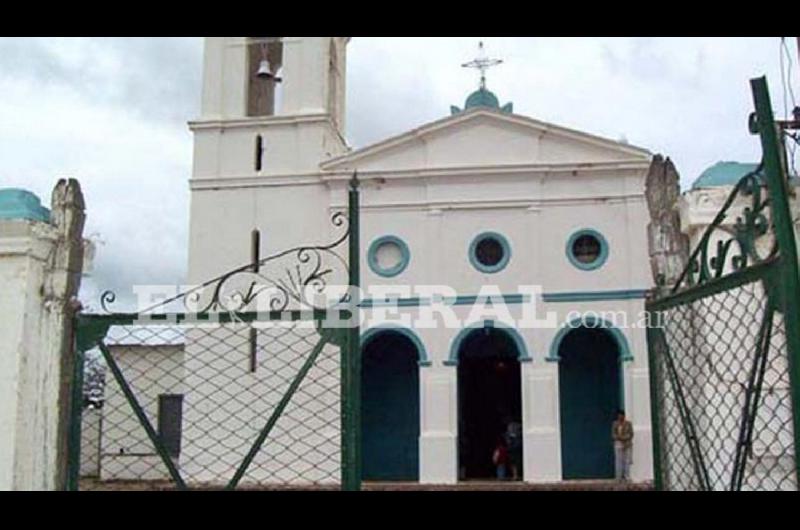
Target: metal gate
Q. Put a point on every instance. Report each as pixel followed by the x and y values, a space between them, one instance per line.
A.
pixel 218 395
pixel 725 343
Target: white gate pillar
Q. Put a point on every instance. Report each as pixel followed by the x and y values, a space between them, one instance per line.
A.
pixel 41 259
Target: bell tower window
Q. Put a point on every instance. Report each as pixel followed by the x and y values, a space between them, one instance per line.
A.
pixel 259 152
pixel 265 58
pixel 334 80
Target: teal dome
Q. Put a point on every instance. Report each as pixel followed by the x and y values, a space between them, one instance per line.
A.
pixel 483 98
pixel 723 174
pixel 17 203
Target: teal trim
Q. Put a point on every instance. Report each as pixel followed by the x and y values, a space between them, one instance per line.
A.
pixel 489 299
pixel 588 296
pixel 601 259
pixel 394 302
pixel 374 331
pixel 372 256
pixel 490 269
pixel 592 322
pixel 515 298
pixel 17 203
pixel 455 347
pixel 471 299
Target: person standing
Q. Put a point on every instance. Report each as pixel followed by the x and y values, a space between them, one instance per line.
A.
pixel 622 435
pixel 513 438
pixel 500 458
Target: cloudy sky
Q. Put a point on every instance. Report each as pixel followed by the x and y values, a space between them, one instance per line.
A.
pixel 112 113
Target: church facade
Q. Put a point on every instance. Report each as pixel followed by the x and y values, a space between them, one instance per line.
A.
pixel 498 213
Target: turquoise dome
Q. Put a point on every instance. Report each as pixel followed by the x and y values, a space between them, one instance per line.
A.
pixel 17 203
pixel 483 98
pixel 723 174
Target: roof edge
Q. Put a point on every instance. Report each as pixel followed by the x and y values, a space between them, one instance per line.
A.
pixel 472 113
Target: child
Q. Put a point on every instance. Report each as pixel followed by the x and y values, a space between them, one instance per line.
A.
pixel 500 458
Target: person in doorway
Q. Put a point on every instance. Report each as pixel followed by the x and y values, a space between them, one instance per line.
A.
pixel 500 458
pixel 622 435
pixel 513 439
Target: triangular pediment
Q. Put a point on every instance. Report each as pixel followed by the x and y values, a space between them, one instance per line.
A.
pixel 486 138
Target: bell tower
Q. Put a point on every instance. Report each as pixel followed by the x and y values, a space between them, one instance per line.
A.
pixel 270 106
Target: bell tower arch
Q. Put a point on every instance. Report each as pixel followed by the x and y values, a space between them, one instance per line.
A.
pixel 282 98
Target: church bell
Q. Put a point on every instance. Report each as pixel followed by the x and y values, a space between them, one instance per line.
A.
pixel 264 72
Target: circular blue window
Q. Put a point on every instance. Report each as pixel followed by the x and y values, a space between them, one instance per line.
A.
pixel 587 249
pixel 388 256
pixel 489 252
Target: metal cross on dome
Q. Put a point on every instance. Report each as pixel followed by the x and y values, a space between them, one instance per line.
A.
pixel 482 63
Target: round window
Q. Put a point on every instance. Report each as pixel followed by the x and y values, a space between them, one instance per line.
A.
pixel 587 249
pixel 388 256
pixel 489 252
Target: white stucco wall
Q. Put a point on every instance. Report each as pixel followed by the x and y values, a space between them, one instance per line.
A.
pixel 226 406
pixel 126 452
pixel 91 431
pixel 28 380
pixel 35 270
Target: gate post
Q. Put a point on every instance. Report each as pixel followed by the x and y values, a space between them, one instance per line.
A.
pixel 41 260
pixel 655 398
pixel 784 233
pixel 351 358
pixel 75 410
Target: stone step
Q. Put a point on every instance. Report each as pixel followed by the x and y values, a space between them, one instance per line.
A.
pixel 471 485
pixel 494 485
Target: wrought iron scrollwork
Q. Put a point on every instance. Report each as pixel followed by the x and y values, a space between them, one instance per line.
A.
pixel 274 283
pixel 741 246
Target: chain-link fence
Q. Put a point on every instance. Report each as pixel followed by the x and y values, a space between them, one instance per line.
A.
pixel 723 394
pixel 208 393
pixel 725 341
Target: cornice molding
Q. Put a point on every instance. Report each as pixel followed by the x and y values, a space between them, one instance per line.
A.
pixel 341 177
pixel 258 121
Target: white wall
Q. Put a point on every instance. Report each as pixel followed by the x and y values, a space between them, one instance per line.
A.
pixel 29 366
pixel 91 431
pixel 126 452
pixel 23 250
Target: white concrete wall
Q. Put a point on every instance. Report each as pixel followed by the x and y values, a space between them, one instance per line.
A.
pixel 25 404
pixel 126 452
pixel 91 431
pixel 30 360
pixel 226 406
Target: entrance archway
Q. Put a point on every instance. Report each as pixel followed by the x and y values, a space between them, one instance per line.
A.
pixel 390 405
pixel 489 397
pixel 590 393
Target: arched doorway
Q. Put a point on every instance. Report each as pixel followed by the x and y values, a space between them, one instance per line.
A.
pixel 489 398
pixel 590 394
pixel 390 406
